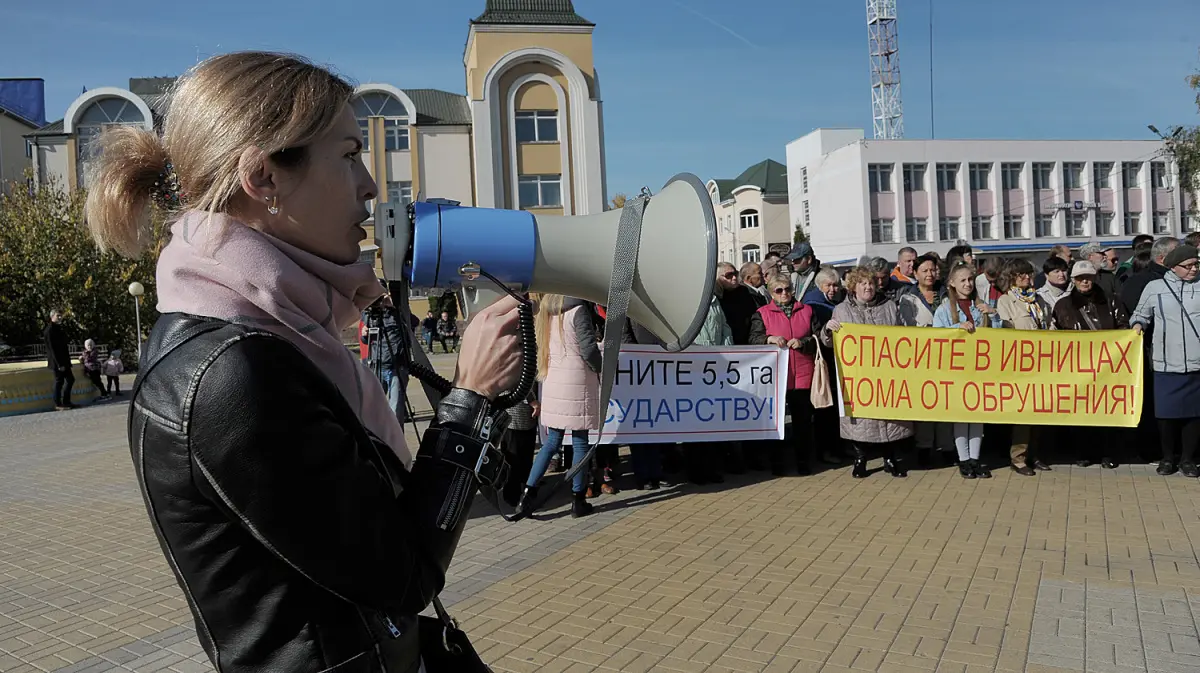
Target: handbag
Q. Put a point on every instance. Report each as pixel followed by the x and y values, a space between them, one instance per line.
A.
pixel 821 390
pixel 445 648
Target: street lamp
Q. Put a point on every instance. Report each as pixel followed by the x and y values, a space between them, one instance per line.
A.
pixel 136 289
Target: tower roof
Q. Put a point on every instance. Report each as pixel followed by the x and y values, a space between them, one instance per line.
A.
pixel 531 12
pixel 770 176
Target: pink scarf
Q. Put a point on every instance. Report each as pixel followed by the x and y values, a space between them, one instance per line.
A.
pixel 221 268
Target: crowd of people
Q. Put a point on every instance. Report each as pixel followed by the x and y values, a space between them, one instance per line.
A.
pixel 793 301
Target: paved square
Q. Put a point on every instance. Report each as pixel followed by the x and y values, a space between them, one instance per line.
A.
pixel 1073 570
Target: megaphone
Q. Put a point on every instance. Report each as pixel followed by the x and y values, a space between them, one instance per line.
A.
pixel 430 242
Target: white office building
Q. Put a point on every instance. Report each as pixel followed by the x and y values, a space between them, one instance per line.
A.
pixel 857 197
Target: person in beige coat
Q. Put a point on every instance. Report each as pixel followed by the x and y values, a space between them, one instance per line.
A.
pixel 1022 307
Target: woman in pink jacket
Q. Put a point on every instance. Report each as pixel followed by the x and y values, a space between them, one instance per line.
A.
pixel 569 368
pixel 787 323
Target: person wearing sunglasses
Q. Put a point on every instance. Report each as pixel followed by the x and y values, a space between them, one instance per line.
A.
pixel 1171 305
pixel 787 323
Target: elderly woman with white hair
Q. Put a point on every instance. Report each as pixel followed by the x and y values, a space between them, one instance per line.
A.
pixel 826 294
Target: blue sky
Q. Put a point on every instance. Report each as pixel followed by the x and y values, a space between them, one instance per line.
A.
pixel 705 86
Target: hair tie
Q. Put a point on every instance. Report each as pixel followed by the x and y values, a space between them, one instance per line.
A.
pixel 166 192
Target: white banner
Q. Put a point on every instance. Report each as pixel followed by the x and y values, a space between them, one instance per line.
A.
pixel 704 394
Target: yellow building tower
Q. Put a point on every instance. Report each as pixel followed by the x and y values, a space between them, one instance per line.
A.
pixel 537 119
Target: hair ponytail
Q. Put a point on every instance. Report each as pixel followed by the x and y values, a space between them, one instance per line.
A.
pixel 127 169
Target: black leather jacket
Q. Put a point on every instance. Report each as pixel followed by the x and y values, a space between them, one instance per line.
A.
pixel 300 541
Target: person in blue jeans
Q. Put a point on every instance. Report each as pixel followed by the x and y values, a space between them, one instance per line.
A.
pixel 569 370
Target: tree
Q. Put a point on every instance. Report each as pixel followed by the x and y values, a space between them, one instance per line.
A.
pixel 1183 145
pixel 799 235
pixel 618 201
pixel 50 261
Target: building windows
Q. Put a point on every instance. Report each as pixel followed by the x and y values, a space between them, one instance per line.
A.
pixel 804 207
pixel 28 148
pixel 1073 176
pixel 751 253
pixel 395 119
pixel 400 191
pixel 1162 223
pixel 103 113
pixel 1010 176
pixel 948 229
pixel 1101 175
pixel 748 219
pixel 981 228
pixel 1104 224
pixel 1041 175
pixel 537 126
pixel 980 174
pixel 1043 226
pixel 1189 223
pixel 880 177
pixel 1133 224
pixel 1129 174
pixel 882 231
pixel 916 229
pixel 914 177
pixel 804 180
pixel 947 177
pixel 1158 175
pixel 1014 226
pixel 540 191
pixel 1076 224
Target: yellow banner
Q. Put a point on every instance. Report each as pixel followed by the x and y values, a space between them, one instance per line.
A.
pixel 992 376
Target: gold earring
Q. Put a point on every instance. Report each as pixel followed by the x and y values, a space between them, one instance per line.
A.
pixel 274 207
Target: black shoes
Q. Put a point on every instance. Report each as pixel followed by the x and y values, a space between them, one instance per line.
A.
pixel 964 468
pixel 1108 463
pixel 1040 466
pixel 971 469
pixel 1166 468
pixel 860 469
pixel 895 467
pixel 580 506
pixel 1024 470
pixel 1189 470
pixel 525 504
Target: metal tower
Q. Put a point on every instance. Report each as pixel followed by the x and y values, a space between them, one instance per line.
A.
pixel 884 44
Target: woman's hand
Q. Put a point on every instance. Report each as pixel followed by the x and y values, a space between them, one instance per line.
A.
pixel 777 341
pixel 489 359
pixel 794 344
pixel 536 408
pixel 969 326
pixel 1137 327
pixel 833 325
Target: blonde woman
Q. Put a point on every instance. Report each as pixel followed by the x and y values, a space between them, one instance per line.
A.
pixel 303 530
pixel 960 310
pixel 569 370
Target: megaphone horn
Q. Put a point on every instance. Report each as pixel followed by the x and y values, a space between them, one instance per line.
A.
pixel 433 242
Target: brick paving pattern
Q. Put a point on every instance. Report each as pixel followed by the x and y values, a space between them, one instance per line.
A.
pixel 1074 570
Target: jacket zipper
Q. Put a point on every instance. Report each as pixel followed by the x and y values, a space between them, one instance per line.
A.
pixel 452 507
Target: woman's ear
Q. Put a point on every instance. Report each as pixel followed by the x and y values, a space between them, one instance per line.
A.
pixel 257 175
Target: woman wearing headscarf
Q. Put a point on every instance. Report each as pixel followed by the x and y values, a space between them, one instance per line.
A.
pixel 1171 305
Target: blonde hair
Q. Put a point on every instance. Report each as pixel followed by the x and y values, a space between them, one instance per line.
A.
pixel 859 274
pixel 274 104
pixel 548 306
pixel 951 295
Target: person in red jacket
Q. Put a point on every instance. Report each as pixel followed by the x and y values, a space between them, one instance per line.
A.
pixel 787 323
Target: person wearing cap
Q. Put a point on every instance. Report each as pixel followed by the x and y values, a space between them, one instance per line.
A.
pixel 1149 439
pixel 1101 258
pixel 1089 307
pixel 1171 305
pixel 804 266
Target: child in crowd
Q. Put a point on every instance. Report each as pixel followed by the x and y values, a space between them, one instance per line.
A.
pixel 112 368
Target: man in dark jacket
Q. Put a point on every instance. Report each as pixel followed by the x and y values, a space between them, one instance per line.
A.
pixel 385 345
pixel 738 302
pixel 1125 269
pixel 1131 294
pixel 59 361
pixel 1106 277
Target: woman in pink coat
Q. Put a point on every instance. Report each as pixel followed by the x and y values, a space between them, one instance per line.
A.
pixel 569 369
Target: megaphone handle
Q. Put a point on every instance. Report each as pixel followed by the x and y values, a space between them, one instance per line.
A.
pixel 511 398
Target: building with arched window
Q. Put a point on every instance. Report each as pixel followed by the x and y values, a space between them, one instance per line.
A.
pixel 527 133
pixel 752 213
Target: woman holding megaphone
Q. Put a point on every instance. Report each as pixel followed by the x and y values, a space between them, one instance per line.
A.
pixel 305 534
